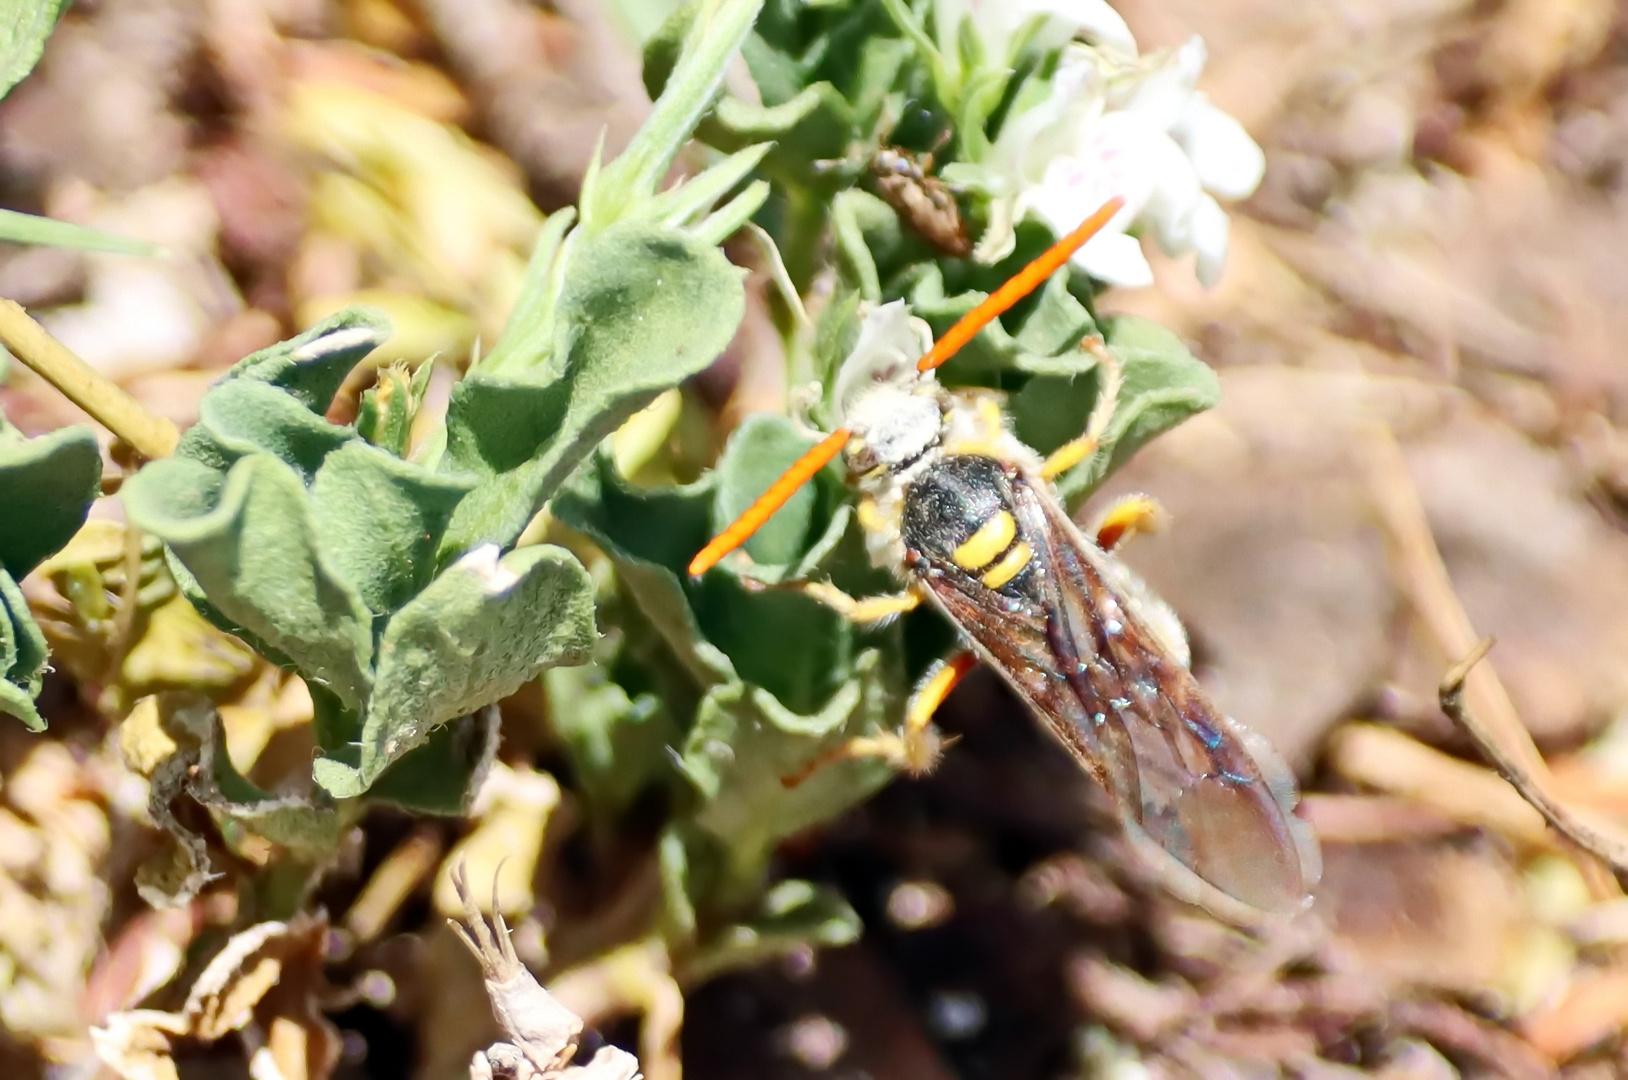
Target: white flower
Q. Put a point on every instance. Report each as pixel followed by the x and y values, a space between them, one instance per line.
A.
pixel 998 23
pixel 1134 128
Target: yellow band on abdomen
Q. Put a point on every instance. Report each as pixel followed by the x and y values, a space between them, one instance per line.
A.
pixel 992 538
pixel 1009 567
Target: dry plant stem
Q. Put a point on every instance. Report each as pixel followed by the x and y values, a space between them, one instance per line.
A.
pixel 1471 694
pixel 1602 842
pixel 542 1034
pixel 152 436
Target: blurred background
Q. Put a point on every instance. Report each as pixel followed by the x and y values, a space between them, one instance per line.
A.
pixel 1418 339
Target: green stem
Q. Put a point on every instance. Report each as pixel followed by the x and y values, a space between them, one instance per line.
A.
pixel 152 436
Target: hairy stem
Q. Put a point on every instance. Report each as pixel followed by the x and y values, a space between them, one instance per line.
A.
pixel 152 436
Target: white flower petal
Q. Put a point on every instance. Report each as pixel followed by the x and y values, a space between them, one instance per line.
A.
pixel 1094 19
pixel 890 342
pixel 1210 233
pixel 1117 259
pixel 1191 58
pixel 1074 187
pixel 1113 125
pixel 1228 161
pixel 1173 193
pixel 1161 96
pixel 1051 128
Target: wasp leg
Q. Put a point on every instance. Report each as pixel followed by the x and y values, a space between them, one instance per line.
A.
pixel 1071 453
pixel 1131 516
pixel 916 747
pixel 986 440
pixel 870 609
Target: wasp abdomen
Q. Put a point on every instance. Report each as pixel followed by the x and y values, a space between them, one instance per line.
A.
pixel 959 513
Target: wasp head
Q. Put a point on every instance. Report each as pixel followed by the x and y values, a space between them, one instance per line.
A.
pixel 896 413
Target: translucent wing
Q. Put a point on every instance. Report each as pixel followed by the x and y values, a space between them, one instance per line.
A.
pixel 1206 799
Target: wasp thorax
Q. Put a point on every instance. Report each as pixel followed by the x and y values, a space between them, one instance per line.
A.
pixel 894 426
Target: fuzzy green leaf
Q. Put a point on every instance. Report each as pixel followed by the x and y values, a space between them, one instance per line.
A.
pixel 643 309
pixel 475 634
pixel 242 416
pixel 54 478
pixel 25 25
pixel 312 366
pixel 1163 385
pixel 715 36
pixel 618 744
pixel 379 520
pixel 745 743
pixel 789 643
pixel 793 915
pixel 249 540
pixel 22 656
pixel 650 562
pixel 442 776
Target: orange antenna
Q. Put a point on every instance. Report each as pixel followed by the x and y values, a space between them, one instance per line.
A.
pixel 1021 284
pixel 801 472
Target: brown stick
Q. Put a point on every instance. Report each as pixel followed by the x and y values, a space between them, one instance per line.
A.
pixel 1471 693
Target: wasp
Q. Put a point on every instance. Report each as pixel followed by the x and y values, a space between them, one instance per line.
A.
pixel 965 515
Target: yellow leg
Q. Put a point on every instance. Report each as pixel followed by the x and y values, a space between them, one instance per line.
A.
pixel 870 609
pixel 1131 516
pixel 1071 453
pixel 915 748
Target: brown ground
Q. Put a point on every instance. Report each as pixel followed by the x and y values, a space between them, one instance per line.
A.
pixel 1432 266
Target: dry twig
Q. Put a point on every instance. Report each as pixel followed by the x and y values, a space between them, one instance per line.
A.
pixel 1471 693
pixel 542 1033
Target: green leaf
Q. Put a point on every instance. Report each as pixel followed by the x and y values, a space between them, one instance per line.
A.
pixel 855 216
pixel 733 216
pixel 793 915
pixel 795 646
pixel 713 39
pixel 1163 385
pixel 22 656
pixel 744 744
pixel 442 776
pixel 618 744
pixel 762 448
pixel 643 309
pixel 19 228
pixel 1040 336
pixel 249 540
pixel 240 417
pixel 55 477
pixel 525 339
pixel 312 366
pixel 379 521
pixel 48 484
pixel 18 701
pixel 308 828
pixel 650 562
pixel 25 25
pixel 479 631
pixel 816 125
pixel 688 202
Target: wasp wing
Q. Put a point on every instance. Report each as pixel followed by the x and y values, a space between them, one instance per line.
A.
pixel 1192 785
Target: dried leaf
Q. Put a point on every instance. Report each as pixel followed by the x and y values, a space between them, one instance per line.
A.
pixel 265 984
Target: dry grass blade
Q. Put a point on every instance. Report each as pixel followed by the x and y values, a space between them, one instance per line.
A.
pixel 1471 693
pixel 1514 757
